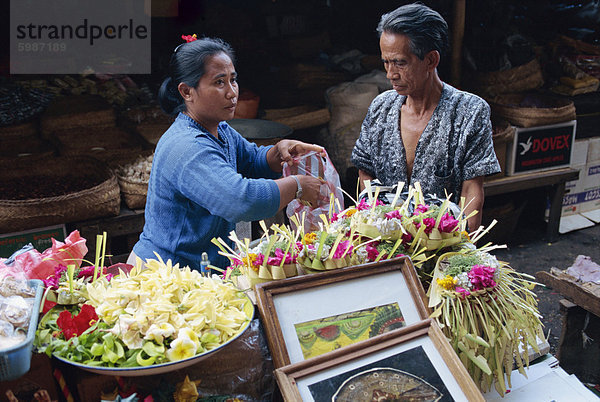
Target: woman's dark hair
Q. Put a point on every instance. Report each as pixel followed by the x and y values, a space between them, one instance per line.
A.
pixel 425 28
pixel 187 66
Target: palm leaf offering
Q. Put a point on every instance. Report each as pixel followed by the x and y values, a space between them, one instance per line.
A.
pixel 486 309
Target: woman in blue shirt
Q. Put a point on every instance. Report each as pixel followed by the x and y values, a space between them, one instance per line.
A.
pixel 205 176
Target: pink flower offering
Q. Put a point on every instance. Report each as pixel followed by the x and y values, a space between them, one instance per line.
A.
pixel 53 281
pixel 447 223
pixel 341 249
pixel 420 209
pixel 429 224
pixel 334 217
pixel 462 291
pixel 372 252
pixel 395 214
pixel 482 277
pixel 362 205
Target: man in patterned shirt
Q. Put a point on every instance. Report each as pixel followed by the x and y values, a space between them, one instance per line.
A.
pixel 424 130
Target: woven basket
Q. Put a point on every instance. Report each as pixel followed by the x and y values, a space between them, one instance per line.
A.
pixel 133 193
pixel 519 79
pixel 530 110
pixel 76 112
pixel 98 201
pixel 31 148
pixel 18 131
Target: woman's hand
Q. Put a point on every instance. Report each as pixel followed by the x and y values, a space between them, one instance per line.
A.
pixel 311 187
pixel 287 151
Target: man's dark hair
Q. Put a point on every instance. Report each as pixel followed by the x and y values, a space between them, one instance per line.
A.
pixel 425 28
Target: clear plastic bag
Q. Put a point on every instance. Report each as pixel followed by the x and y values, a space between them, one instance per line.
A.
pixel 313 164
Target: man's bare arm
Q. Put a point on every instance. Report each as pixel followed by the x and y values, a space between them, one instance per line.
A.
pixel 472 190
pixel 362 175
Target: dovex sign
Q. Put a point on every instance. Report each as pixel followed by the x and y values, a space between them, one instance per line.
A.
pixel 543 147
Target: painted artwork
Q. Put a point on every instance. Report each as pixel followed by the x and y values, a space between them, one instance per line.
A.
pixel 326 334
pixel 407 376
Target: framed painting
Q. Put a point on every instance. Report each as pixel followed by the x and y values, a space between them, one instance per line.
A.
pixel 413 363
pixel 310 315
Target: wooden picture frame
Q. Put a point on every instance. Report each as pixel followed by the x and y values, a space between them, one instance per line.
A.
pixel 347 298
pixel 410 361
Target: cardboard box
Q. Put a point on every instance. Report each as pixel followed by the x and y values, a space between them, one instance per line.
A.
pixel 593 154
pixel 583 195
pixel 571 204
pixel 580 153
pixel 591 187
pixel 536 149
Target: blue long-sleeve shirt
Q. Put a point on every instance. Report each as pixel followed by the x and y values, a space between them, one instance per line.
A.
pixel 200 186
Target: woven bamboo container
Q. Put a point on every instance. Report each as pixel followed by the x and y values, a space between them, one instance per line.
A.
pixel 133 193
pixel 530 110
pixel 99 200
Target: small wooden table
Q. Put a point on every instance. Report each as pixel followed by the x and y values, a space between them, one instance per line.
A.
pixel 556 179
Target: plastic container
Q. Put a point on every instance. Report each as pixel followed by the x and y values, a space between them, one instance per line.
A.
pixel 15 361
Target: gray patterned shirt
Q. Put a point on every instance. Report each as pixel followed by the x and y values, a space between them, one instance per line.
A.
pixel 460 126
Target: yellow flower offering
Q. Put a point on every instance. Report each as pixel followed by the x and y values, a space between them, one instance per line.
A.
pixel 448 283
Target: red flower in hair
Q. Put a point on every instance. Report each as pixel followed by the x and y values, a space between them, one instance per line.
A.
pixel 189 38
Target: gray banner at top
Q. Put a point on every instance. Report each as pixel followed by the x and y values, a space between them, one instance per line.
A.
pixel 79 37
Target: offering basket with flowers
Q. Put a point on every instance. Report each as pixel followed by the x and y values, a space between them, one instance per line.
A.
pixel 155 318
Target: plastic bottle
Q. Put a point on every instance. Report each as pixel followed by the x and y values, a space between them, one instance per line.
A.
pixel 204 263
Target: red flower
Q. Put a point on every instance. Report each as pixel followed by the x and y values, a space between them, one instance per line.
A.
pixel 66 324
pixel 482 277
pixel 76 325
pixel 394 214
pixel 189 38
pixel 429 224
pixel 447 223
pixel 372 252
pixel 462 291
pixel 420 209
